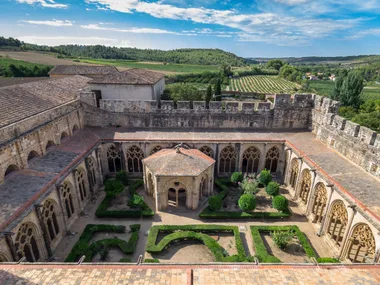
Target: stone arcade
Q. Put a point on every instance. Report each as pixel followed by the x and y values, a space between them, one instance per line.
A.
pixel 54 156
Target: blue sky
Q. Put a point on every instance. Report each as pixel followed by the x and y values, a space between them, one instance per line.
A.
pixel 261 28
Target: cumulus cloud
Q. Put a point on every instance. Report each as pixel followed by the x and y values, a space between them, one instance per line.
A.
pixel 131 30
pixel 62 40
pixel 54 23
pixel 44 3
pixel 364 33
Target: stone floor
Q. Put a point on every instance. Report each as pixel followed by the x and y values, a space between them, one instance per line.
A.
pixel 186 275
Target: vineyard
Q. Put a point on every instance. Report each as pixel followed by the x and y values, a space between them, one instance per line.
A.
pixel 263 84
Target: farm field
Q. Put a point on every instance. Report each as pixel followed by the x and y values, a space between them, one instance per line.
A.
pixel 36 57
pixel 262 84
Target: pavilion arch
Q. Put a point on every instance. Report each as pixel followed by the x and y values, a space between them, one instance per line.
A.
pixel 337 222
pixel 227 160
pixel 294 169
pixel 135 155
pixel 75 128
pixel 176 189
pixel 207 151
pixel 27 242
pixel 272 158
pixel 81 179
pixel 49 145
pixel 4 258
pixel 50 218
pixel 361 245
pixel 32 154
pixel 114 157
pixel 251 160
pixel 67 193
pixel 157 148
pixel 64 135
pixel 319 202
pixel 305 185
pixel 203 187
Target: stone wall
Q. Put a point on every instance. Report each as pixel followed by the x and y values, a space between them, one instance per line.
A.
pixel 287 112
pixel 359 144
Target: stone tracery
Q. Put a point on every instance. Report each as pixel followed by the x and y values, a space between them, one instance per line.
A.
pixel 294 172
pixel 50 219
pixel 251 160
pixel 320 202
pixel 271 159
pixel 338 219
pixel 305 185
pixel 227 160
pixel 134 157
pixel 114 159
pixel 26 243
pixel 207 151
pixel 362 245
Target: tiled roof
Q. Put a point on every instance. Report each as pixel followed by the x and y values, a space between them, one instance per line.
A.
pixel 134 76
pixel 21 101
pixel 9 81
pixel 82 70
pixel 187 162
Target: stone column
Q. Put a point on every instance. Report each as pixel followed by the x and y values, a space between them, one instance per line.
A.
pixel 262 161
pixel 11 245
pixel 62 206
pixel 157 194
pixel 99 165
pixel 311 193
pixel 88 178
pixel 325 220
pixel 44 230
pixel 237 165
pixel 76 186
pixel 343 249
pixel 299 176
pixel 216 169
pixel 286 172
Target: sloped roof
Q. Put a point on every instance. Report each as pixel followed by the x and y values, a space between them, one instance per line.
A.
pixel 134 76
pixel 21 101
pixel 186 162
pixel 82 70
pixel 9 81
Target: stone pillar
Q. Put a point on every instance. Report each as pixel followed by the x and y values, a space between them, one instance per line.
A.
pixel 70 132
pixel 343 249
pixel 11 245
pixel 262 161
pixel 76 186
pixel 157 194
pixel 64 215
pixel 286 172
pixel 89 178
pixel 311 194
pixel 299 176
pixel 99 164
pixel 237 164
pixel 216 169
pixel 325 220
pixel 42 148
pixel 44 230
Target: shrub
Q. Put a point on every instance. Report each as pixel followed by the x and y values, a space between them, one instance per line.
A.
pixel 136 201
pixel 151 260
pixel 280 203
pixel 282 238
pixel 265 177
pixel 247 202
pixel 126 260
pixel 113 187
pixel 236 177
pixel 327 260
pixel 273 188
pixel 122 176
pixel 215 203
pixel 250 185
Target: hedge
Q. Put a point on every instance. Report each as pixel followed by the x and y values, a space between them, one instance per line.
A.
pixel 262 252
pixel 145 211
pixel 196 232
pixel 151 260
pixel 82 246
pixel 327 260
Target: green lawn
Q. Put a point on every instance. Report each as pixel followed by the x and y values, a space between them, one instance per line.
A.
pixel 5 62
pixel 171 68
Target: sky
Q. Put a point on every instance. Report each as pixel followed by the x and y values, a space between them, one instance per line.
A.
pixel 256 28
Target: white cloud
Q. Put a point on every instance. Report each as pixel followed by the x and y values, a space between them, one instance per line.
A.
pixel 62 40
pixel 293 2
pixel 44 3
pixel 54 23
pixel 131 30
pixel 364 33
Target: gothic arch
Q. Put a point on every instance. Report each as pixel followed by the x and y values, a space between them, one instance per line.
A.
pixel 251 160
pixel 361 244
pixel 271 159
pixel 305 185
pixel 49 145
pixel 64 135
pixel 81 174
pixel 135 156
pixel 294 169
pixel 114 159
pixel 207 151
pixel 227 160
pixel 67 194
pixel 157 148
pixel 75 128
pixel 26 242
pixel 91 171
pixel 320 202
pixel 50 218
pixel 203 187
pixel 10 169
pixel 338 219
pixel 32 154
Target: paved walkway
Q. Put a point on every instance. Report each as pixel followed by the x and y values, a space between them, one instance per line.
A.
pixel 187 275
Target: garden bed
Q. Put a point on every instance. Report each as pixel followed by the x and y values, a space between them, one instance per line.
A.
pixel 201 234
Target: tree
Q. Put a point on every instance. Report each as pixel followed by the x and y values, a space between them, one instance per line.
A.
pixel 265 177
pixel 335 93
pixel 122 176
pixel 185 92
pixel 113 187
pixel 218 87
pixel 273 188
pixel 275 64
pixel 214 203
pixel 247 202
pixel 208 94
pixel 280 203
pixel 351 90
pixel 136 201
pixel 236 177
pixel 250 185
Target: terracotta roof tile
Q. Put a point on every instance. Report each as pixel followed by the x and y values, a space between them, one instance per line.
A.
pixel 134 76
pixel 82 70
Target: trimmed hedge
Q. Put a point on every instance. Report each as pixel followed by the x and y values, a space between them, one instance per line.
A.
pixel 327 260
pixel 82 246
pixel 262 252
pixel 151 260
pixel 126 260
pixel 196 232
pixel 144 211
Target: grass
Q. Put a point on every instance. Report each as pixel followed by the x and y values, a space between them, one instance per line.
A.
pixel 172 68
pixel 5 62
pixel 263 84
pixel 199 86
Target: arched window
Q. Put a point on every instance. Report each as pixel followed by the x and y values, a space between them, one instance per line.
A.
pixel 251 159
pixel 338 222
pixel 81 184
pixel 114 159
pixel 294 172
pixel 305 185
pixel 26 244
pixel 362 245
pixel 68 199
pixel 49 145
pixel 49 216
pixel 134 157
pixel 155 149
pixel 32 154
pixel 64 135
pixel 91 172
pixel 320 202
pixel 207 151
pixel 227 160
pixel 75 128
pixel 271 159
pixel 11 168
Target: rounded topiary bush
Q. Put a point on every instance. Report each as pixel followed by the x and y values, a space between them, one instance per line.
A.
pixel 215 203
pixel 237 177
pixel 247 202
pixel 113 187
pixel 273 188
pixel 280 203
pixel 265 177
